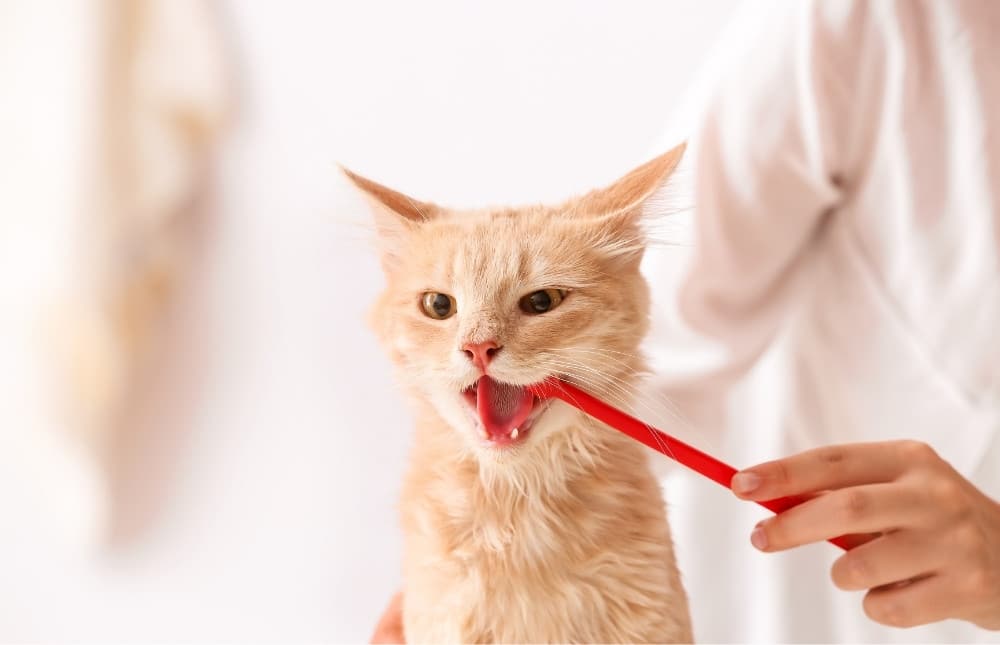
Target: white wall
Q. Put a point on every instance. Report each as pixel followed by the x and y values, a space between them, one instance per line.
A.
pixel 262 487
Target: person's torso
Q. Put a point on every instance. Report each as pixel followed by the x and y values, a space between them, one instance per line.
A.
pixel 900 332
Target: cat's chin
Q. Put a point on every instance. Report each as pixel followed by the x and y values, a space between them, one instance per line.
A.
pixel 516 438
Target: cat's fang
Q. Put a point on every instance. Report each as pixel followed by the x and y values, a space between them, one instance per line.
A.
pixel 514 433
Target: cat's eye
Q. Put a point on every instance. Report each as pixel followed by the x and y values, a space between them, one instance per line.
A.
pixel 539 302
pixel 438 305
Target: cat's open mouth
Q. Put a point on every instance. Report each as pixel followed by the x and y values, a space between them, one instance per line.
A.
pixel 506 412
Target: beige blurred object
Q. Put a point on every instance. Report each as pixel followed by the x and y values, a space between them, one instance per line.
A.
pixel 144 95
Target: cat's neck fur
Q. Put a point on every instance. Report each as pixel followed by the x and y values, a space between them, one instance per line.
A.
pixel 572 540
pixel 488 502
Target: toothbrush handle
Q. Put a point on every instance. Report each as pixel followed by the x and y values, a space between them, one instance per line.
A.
pixel 689 456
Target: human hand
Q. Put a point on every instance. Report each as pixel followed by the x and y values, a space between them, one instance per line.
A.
pixel 933 545
pixel 390 625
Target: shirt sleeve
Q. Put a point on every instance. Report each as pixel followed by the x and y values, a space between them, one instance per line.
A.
pixel 769 160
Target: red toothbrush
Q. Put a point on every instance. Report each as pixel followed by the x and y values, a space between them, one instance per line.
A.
pixel 658 440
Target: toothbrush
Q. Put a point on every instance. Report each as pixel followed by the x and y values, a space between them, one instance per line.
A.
pixel 658 440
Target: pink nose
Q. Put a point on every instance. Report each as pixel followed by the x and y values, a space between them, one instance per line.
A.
pixel 481 353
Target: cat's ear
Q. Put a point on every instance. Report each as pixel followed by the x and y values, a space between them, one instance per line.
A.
pixel 629 194
pixel 396 215
pixel 616 213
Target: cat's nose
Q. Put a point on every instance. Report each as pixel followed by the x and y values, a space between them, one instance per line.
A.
pixel 481 353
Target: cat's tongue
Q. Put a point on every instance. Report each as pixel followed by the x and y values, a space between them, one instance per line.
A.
pixel 502 407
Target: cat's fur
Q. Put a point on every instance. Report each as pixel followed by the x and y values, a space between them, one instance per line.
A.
pixel 564 537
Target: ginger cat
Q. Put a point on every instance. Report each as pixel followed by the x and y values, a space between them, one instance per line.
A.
pixel 525 521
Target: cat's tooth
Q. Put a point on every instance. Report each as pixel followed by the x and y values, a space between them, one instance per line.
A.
pixel 514 433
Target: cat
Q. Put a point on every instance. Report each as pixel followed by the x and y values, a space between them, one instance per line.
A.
pixel 524 520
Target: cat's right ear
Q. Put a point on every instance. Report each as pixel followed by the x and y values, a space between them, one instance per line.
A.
pixel 396 215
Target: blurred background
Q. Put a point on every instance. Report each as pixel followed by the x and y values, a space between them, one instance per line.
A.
pixel 199 439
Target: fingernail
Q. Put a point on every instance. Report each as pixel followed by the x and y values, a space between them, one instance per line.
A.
pixel 759 539
pixel 745 483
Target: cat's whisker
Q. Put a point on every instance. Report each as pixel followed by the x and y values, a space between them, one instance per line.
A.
pixel 620 395
pixel 643 396
pixel 627 366
pixel 620 392
pixel 593 349
pixel 659 405
pixel 586 418
pixel 632 361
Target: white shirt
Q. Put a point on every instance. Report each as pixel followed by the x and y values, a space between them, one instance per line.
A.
pixel 845 278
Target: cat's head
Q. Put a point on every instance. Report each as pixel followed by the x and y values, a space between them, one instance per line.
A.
pixel 480 304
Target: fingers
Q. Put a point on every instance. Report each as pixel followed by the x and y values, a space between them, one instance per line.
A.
pixel 891 558
pixel 909 604
pixel 390 625
pixel 829 468
pixel 953 589
pixel 923 539
pixel 875 508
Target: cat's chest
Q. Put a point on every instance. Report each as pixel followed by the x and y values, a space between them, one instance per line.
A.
pixel 498 580
pixel 535 535
pixel 527 582
pixel 539 567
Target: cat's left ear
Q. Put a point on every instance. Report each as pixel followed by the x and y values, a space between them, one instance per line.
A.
pixel 631 192
pixel 617 211
pixel 396 215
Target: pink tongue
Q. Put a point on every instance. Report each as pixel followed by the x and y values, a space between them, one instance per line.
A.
pixel 502 407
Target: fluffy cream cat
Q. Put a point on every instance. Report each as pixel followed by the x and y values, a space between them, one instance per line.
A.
pixel 525 520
